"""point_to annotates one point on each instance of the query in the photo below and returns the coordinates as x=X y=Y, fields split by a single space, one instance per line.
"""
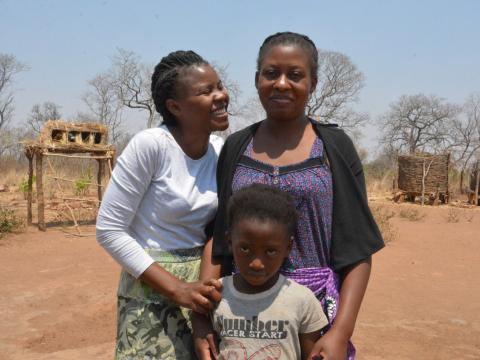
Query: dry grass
x=382 y=216
x=455 y=215
x=379 y=186
x=411 y=214
x=75 y=170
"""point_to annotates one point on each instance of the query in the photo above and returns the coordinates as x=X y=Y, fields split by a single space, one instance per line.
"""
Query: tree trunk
x=462 y=172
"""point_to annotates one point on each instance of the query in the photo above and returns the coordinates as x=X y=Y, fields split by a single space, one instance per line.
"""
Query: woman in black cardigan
x=317 y=164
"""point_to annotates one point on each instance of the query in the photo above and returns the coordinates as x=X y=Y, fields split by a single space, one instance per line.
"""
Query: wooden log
x=40 y=199
x=101 y=167
x=78 y=156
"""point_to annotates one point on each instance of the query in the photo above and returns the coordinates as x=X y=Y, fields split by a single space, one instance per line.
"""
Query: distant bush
x=9 y=221
x=411 y=214
x=382 y=216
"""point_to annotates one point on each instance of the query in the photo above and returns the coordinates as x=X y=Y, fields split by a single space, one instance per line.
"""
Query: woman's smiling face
x=285 y=82
x=202 y=100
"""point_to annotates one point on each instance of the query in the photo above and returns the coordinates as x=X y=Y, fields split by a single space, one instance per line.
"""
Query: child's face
x=259 y=248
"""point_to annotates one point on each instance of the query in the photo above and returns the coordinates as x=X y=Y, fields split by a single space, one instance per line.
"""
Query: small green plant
x=23 y=186
x=9 y=221
x=82 y=184
x=382 y=216
x=411 y=214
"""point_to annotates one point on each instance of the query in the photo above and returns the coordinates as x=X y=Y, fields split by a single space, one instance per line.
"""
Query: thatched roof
x=66 y=137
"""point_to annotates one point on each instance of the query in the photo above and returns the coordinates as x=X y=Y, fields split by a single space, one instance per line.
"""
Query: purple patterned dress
x=310 y=183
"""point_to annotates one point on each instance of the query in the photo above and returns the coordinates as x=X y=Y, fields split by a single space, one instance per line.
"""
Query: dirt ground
x=57 y=298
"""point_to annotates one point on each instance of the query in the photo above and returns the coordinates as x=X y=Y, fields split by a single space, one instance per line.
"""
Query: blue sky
x=402 y=47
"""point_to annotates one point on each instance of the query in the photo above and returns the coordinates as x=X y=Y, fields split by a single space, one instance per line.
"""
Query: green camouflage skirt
x=149 y=325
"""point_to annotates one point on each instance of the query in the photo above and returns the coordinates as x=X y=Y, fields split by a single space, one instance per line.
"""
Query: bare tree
x=9 y=67
x=41 y=113
x=418 y=123
x=339 y=84
x=251 y=111
x=234 y=91
x=7 y=141
x=131 y=80
x=104 y=105
x=464 y=136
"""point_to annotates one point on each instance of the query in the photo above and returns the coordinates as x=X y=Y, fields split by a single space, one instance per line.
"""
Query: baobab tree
x=418 y=123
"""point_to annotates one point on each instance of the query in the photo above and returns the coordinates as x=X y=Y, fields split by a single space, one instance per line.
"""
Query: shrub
x=382 y=216
x=23 y=186
x=411 y=214
x=82 y=184
x=9 y=221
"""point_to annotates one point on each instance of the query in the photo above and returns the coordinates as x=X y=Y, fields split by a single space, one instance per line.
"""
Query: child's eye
x=271 y=252
x=244 y=249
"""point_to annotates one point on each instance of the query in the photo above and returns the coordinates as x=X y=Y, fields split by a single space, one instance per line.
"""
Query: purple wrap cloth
x=324 y=283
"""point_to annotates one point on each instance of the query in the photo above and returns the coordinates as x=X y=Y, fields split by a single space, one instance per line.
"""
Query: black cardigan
x=355 y=235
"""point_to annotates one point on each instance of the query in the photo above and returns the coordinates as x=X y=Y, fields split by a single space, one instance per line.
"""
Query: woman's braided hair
x=290 y=38
x=165 y=80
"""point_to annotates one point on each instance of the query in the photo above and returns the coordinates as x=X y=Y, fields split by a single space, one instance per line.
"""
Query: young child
x=262 y=314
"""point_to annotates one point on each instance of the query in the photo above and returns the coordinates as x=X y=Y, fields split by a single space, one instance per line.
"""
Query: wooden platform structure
x=424 y=175
x=69 y=140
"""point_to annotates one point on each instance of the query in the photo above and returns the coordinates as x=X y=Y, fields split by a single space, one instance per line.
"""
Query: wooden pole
x=76 y=156
x=29 y=154
x=99 y=178
x=40 y=200
x=424 y=176
x=477 y=183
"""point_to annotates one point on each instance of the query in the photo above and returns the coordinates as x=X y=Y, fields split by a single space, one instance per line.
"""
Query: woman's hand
x=332 y=346
x=199 y=296
x=204 y=339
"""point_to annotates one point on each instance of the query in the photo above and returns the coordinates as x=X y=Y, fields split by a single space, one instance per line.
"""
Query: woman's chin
x=220 y=124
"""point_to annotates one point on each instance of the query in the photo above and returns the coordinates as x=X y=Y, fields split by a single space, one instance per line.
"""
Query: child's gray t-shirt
x=252 y=326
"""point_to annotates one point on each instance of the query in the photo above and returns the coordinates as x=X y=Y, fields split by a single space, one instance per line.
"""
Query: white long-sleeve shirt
x=158 y=198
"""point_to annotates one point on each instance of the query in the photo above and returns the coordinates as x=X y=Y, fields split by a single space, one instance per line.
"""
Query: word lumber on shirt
x=254 y=329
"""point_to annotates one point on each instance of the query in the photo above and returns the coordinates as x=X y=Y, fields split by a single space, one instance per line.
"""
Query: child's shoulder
x=297 y=291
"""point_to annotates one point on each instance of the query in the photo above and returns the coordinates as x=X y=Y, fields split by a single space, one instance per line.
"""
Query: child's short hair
x=262 y=202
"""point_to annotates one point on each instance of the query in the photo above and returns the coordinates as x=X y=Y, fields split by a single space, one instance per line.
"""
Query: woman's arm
x=204 y=336
x=130 y=180
x=307 y=341
x=333 y=345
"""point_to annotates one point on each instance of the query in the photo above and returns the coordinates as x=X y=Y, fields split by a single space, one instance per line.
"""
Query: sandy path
x=423 y=302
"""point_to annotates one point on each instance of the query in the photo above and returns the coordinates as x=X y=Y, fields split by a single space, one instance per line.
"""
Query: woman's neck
x=194 y=145
x=286 y=129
